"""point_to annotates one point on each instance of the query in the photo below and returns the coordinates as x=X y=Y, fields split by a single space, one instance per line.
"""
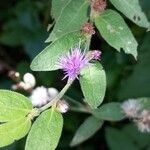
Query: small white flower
x=62 y=106
x=131 y=108
x=144 y=122
x=29 y=80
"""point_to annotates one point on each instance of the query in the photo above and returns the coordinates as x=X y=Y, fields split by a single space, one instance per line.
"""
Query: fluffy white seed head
x=131 y=108
x=29 y=80
x=39 y=96
x=62 y=106
x=144 y=122
x=42 y=95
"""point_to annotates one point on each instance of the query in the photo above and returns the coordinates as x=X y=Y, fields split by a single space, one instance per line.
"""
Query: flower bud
x=15 y=76
x=52 y=92
x=87 y=29
x=98 y=6
x=62 y=106
x=95 y=54
x=29 y=80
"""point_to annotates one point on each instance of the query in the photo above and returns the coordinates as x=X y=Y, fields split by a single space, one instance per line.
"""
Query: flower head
x=95 y=54
x=144 y=122
x=87 y=29
x=131 y=108
x=72 y=63
x=98 y=5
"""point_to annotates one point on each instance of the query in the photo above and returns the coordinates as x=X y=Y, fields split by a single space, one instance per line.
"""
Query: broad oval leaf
x=14 y=130
x=57 y=7
x=47 y=60
x=93 y=84
x=71 y=18
x=13 y=105
x=111 y=112
x=45 y=132
x=132 y=10
x=89 y=127
x=116 y=32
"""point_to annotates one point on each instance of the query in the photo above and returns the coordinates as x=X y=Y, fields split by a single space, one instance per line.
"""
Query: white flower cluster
x=42 y=95
x=39 y=95
x=133 y=110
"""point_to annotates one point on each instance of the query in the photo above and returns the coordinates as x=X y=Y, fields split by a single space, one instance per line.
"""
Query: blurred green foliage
x=23 y=26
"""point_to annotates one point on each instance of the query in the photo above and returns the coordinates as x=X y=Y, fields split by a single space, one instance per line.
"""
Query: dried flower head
x=72 y=63
x=15 y=76
x=95 y=54
x=131 y=108
x=143 y=122
x=87 y=29
x=98 y=5
x=42 y=95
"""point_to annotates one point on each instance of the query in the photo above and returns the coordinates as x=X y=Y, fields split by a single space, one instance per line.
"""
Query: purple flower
x=96 y=54
x=72 y=63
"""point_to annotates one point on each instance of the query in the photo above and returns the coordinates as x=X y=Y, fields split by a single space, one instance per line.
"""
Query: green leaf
x=132 y=10
x=111 y=111
x=89 y=127
x=47 y=60
x=57 y=7
x=118 y=140
x=136 y=84
x=13 y=105
x=70 y=19
x=14 y=130
x=116 y=32
x=93 y=84
x=45 y=132
x=141 y=139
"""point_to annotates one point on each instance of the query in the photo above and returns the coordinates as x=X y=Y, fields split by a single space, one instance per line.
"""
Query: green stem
x=82 y=110
x=58 y=97
x=88 y=43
